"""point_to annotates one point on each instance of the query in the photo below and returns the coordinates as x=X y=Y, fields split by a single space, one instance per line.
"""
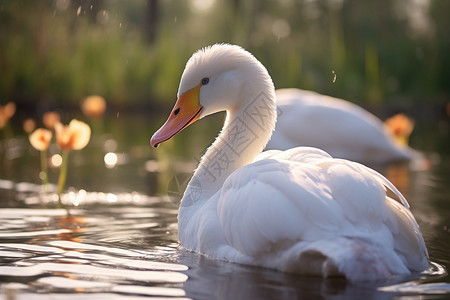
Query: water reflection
x=232 y=281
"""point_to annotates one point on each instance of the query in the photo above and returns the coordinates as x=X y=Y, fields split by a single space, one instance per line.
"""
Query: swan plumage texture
x=298 y=211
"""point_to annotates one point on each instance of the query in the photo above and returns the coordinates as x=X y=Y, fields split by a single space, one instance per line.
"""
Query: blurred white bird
x=339 y=127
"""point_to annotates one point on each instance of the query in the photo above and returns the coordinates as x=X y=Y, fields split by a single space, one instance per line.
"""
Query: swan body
x=339 y=127
x=298 y=211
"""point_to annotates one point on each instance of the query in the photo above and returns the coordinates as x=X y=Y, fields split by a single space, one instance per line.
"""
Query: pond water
x=120 y=241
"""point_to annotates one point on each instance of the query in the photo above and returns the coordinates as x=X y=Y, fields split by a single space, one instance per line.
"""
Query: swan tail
x=355 y=259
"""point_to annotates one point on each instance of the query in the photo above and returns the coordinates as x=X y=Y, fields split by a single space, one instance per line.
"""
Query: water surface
x=120 y=241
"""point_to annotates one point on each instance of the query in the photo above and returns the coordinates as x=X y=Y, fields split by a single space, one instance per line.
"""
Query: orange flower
x=93 y=106
x=400 y=126
x=40 y=139
x=29 y=125
x=50 y=118
x=75 y=136
x=6 y=112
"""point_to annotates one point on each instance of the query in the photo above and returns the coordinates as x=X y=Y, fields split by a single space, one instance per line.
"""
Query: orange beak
x=185 y=112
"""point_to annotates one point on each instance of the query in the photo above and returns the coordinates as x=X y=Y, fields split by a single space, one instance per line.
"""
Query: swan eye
x=176 y=111
x=205 y=81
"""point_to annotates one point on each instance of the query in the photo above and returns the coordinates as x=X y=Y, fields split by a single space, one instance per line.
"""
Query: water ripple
x=63 y=256
x=29 y=234
x=439 y=288
x=80 y=246
x=90 y=271
x=34 y=248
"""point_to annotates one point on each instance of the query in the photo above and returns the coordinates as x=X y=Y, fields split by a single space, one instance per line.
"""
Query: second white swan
x=341 y=128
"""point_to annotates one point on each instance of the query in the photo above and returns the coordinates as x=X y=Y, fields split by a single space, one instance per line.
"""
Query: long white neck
x=246 y=131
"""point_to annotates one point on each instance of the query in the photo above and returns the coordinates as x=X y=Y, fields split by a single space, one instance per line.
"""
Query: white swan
x=339 y=127
x=298 y=211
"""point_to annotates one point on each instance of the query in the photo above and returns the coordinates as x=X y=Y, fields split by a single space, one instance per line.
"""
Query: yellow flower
x=93 y=106
x=40 y=139
x=75 y=136
x=6 y=112
x=50 y=118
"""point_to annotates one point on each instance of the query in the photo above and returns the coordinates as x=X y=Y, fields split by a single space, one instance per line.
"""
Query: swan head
x=215 y=79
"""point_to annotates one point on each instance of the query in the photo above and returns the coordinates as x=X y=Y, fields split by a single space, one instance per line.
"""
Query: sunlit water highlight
x=124 y=246
x=46 y=251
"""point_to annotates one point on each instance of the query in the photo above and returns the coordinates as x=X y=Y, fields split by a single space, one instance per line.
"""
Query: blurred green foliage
x=60 y=51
